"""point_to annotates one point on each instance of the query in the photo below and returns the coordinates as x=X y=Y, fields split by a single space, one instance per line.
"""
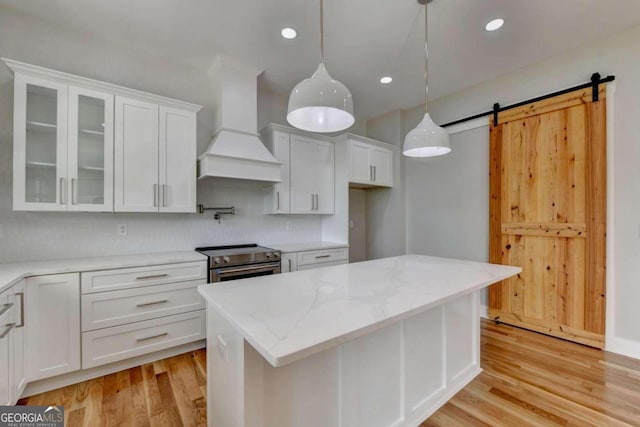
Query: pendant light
x=320 y=103
x=427 y=139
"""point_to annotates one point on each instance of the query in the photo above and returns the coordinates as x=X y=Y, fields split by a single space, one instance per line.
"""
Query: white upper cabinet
x=84 y=145
x=303 y=174
x=381 y=160
x=90 y=150
x=136 y=156
x=155 y=158
x=63 y=147
x=308 y=173
x=276 y=197
x=40 y=144
x=324 y=176
x=177 y=166
x=370 y=162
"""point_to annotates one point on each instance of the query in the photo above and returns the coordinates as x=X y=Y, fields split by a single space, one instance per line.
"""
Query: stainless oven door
x=242 y=272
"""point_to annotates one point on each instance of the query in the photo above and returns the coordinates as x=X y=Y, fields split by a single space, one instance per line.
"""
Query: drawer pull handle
x=152 y=337
x=5 y=308
x=323 y=256
x=21 y=295
x=145 y=304
x=9 y=326
x=153 y=276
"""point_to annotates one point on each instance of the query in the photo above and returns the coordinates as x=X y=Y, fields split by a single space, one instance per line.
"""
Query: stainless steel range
x=240 y=261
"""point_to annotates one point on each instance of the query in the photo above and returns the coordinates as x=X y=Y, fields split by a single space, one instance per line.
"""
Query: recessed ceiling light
x=386 y=80
x=495 y=24
x=289 y=33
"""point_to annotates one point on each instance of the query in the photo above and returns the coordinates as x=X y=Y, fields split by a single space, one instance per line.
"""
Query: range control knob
x=216 y=260
x=276 y=254
x=268 y=254
x=226 y=259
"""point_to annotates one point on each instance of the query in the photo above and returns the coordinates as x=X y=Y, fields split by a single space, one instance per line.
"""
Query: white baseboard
x=623 y=346
x=99 y=371
x=484 y=311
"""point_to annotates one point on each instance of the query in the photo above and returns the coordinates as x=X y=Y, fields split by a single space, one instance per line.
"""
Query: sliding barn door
x=548 y=216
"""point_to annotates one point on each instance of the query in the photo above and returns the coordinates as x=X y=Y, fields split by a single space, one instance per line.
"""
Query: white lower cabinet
x=126 y=313
x=19 y=378
x=122 y=342
x=308 y=260
x=106 y=309
x=130 y=312
x=289 y=262
x=52 y=316
x=6 y=327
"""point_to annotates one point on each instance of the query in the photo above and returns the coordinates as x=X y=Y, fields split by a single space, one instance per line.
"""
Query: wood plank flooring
x=170 y=392
x=528 y=380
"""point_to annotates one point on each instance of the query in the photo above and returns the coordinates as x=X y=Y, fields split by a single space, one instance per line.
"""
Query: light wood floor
x=528 y=380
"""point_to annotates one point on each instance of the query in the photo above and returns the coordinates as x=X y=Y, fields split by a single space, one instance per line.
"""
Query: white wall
x=448 y=209
x=614 y=55
x=357 y=225
x=386 y=207
x=30 y=236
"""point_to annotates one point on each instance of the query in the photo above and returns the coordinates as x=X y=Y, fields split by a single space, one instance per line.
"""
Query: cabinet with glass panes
x=63 y=147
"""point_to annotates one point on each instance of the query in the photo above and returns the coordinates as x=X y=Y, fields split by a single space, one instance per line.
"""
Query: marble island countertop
x=14 y=272
x=291 y=316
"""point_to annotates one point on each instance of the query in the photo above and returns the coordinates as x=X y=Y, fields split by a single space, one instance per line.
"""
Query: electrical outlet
x=122 y=230
x=289 y=226
x=222 y=348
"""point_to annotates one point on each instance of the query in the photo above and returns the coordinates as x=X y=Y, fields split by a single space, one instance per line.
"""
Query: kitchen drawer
x=125 y=278
x=122 y=342
x=115 y=308
x=324 y=264
x=321 y=256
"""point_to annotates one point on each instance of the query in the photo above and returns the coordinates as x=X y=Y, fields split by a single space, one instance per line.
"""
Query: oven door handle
x=222 y=272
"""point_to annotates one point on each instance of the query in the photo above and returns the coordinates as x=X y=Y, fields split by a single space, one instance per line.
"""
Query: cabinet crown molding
x=345 y=137
x=66 y=78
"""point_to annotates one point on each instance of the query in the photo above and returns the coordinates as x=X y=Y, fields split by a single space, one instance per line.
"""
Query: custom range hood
x=236 y=150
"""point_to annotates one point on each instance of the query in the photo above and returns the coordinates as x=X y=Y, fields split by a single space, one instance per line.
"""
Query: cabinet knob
x=226 y=259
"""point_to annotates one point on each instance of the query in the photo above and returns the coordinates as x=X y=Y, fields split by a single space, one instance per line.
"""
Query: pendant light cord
x=426 y=58
x=321 y=32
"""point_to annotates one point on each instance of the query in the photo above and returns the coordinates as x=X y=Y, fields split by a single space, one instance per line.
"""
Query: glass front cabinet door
x=63 y=147
x=40 y=144
x=90 y=150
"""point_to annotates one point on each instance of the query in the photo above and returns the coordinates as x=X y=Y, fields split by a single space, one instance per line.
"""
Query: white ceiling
x=364 y=39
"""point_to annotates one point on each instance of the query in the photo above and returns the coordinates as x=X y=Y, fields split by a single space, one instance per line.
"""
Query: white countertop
x=12 y=273
x=288 y=317
x=306 y=246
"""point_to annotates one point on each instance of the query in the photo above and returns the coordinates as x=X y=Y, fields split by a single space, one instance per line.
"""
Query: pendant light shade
x=427 y=139
x=320 y=103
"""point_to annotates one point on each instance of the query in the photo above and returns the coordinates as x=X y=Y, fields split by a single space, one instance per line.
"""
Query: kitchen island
x=376 y=343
